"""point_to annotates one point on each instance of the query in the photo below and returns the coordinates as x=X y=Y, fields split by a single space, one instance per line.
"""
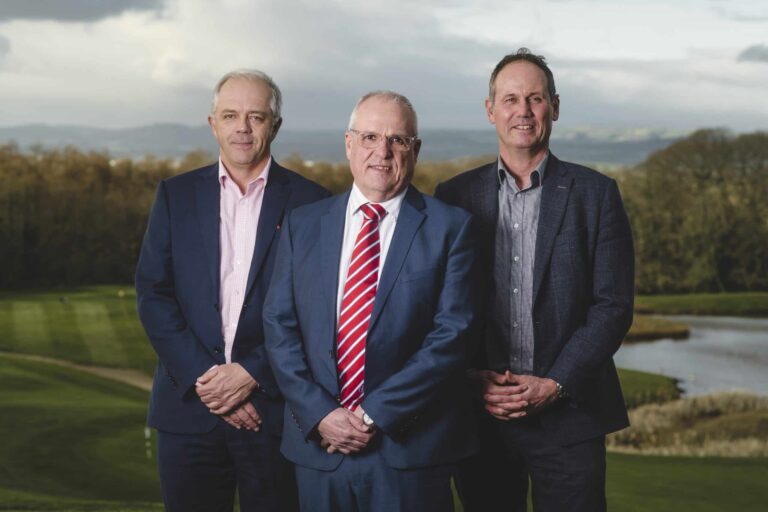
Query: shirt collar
x=357 y=199
x=264 y=174
x=537 y=176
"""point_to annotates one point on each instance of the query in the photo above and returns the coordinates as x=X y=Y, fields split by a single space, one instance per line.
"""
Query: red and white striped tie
x=357 y=305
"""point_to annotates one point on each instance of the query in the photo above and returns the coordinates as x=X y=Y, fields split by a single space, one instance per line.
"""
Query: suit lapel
x=273 y=205
x=485 y=206
x=408 y=221
x=485 y=195
x=554 y=198
x=331 y=237
x=207 y=204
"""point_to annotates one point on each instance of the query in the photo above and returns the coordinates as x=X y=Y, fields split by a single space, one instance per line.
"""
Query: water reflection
x=722 y=354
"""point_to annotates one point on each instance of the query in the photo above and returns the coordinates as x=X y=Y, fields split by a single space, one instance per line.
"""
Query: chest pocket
x=417 y=275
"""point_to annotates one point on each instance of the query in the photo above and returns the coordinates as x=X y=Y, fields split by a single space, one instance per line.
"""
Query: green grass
x=78 y=445
x=98 y=325
x=638 y=483
x=71 y=438
x=91 y=325
x=724 y=304
x=642 y=388
x=648 y=328
x=78 y=440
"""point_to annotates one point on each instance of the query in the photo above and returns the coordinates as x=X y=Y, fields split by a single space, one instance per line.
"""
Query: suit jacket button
x=217 y=350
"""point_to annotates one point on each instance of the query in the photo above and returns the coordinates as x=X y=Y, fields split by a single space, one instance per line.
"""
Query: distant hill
x=603 y=147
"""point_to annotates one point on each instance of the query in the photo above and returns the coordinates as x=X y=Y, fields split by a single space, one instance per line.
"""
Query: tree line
x=698 y=210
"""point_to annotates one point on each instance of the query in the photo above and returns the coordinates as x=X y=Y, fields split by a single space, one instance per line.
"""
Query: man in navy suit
x=556 y=246
x=366 y=324
x=203 y=273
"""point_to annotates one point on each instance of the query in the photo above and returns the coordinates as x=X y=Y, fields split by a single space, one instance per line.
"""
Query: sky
x=659 y=64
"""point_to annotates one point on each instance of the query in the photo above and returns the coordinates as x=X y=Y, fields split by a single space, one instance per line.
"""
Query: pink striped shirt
x=239 y=219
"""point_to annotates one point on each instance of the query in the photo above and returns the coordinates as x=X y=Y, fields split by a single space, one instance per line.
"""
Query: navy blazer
x=416 y=350
x=177 y=287
x=583 y=287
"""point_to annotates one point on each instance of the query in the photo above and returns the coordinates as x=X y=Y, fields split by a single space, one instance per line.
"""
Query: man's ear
x=276 y=128
x=416 y=149
x=489 y=110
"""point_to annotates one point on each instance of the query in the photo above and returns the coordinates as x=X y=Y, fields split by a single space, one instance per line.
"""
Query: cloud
x=750 y=11
x=631 y=65
x=5 y=46
x=72 y=10
x=755 y=53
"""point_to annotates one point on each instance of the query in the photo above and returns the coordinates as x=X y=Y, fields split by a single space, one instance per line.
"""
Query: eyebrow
x=233 y=111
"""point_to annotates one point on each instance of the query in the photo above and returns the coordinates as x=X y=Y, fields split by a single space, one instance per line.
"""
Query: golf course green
x=74 y=441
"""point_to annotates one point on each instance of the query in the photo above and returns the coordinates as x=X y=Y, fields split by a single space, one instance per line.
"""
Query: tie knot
x=372 y=211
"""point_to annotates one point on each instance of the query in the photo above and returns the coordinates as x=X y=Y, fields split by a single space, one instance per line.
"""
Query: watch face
x=367 y=419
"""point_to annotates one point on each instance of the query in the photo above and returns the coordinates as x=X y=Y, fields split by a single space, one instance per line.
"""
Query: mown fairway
x=94 y=325
x=70 y=437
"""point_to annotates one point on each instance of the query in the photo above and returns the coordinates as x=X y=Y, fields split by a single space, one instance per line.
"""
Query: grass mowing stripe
x=96 y=327
x=30 y=327
x=7 y=336
x=122 y=313
x=67 y=340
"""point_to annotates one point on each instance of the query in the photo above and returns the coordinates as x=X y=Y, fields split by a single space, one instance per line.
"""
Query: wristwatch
x=367 y=420
x=560 y=391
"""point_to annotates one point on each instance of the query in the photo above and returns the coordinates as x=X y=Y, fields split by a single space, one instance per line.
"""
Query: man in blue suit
x=204 y=269
x=556 y=247
x=366 y=324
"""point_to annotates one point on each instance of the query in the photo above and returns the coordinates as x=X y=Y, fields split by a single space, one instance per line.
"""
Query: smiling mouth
x=523 y=127
x=380 y=168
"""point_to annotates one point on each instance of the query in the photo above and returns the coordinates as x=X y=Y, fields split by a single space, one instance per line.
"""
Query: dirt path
x=127 y=376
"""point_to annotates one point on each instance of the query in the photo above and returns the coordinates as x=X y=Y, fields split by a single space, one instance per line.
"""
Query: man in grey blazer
x=557 y=246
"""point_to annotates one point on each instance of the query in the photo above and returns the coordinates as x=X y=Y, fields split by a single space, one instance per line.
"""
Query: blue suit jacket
x=583 y=288
x=177 y=286
x=417 y=345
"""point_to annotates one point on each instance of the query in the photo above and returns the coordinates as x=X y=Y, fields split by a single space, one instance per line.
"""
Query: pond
x=722 y=354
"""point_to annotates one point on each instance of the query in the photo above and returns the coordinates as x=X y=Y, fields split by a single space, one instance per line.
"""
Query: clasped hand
x=224 y=389
x=507 y=396
x=344 y=431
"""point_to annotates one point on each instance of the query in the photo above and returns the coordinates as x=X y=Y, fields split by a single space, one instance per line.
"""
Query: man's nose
x=244 y=125
x=524 y=108
x=384 y=148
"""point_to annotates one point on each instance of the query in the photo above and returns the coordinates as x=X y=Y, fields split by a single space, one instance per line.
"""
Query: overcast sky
x=678 y=64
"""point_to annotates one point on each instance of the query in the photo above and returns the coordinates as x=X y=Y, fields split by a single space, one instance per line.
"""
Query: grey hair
x=390 y=96
x=526 y=55
x=254 y=75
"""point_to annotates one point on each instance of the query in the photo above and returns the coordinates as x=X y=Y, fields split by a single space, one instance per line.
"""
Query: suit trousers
x=492 y=479
x=366 y=483
x=200 y=472
x=563 y=477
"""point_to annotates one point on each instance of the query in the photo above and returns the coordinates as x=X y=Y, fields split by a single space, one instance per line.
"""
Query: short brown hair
x=526 y=55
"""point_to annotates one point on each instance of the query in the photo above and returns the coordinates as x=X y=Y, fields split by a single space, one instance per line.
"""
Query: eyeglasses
x=372 y=140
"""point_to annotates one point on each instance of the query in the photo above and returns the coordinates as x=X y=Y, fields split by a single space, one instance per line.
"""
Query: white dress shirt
x=239 y=218
x=352 y=223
